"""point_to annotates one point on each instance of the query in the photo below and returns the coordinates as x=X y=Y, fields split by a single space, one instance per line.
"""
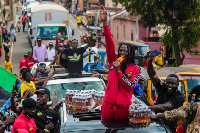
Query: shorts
x=12 y=39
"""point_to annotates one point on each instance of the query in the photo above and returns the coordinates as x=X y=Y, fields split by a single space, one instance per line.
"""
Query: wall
x=121 y=35
x=109 y=3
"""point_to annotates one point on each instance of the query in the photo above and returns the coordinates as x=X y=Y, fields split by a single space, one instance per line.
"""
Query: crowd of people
x=27 y=110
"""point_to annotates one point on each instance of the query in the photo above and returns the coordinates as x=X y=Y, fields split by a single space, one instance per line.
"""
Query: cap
x=39 y=39
x=42 y=65
x=60 y=44
x=62 y=39
x=138 y=89
x=29 y=103
x=43 y=90
x=50 y=43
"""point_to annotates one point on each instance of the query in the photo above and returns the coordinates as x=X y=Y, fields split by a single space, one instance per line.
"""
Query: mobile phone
x=15 y=87
x=11 y=113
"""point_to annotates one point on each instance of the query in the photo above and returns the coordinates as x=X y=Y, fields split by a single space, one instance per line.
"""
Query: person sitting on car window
x=46 y=119
x=41 y=71
x=169 y=97
x=74 y=58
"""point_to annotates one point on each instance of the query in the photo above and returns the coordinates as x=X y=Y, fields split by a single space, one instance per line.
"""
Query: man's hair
x=173 y=75
x=29 y=52
x=131 y=52
x=24 y=74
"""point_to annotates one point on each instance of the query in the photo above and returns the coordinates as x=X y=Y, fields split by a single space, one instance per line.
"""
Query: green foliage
x=183 y=32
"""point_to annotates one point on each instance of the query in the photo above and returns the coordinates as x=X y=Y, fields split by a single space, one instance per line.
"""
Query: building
x=123 y=27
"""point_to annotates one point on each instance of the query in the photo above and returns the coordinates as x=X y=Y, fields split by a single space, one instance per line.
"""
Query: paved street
x=22 y=45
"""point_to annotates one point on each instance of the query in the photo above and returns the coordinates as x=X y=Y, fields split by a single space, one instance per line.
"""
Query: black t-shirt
x=74 y=59
x=176 y=99
x=196 y=90
x=44 y=116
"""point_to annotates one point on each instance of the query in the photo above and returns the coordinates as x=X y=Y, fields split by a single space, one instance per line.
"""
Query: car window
x=97 y=85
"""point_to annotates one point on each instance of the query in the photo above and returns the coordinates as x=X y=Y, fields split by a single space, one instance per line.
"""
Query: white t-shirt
x=51 y=54
x=89 y=58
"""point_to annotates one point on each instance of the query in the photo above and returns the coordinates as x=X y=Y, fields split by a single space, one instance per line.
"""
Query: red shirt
x=24 y=18
x=120 y=86
x=23 y=63
x=25 y=123
x=30 y=63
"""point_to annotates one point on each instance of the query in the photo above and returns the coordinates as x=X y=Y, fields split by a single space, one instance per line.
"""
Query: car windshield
x=192 y=81
x=143 y=50
x=51 y=31
x=89 y=85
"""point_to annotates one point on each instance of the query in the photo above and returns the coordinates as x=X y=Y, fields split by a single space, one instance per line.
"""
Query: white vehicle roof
x=51 y=25
x=33 y=4
x=42 y=7
x=72 y=80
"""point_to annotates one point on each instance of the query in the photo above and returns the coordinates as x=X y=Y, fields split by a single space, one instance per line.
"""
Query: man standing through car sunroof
x=74 y=58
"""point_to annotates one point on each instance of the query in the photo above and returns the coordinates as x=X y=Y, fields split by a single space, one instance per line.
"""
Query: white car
x=84 y=83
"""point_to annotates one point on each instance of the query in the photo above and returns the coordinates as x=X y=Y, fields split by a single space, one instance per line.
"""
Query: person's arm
x=11 y=67
x=146 y=100
x=161 y=107
x=36 y=73
x=13 y=102
x=176 y=114
x=89 y=53
x=101 y=70
x=35 y=55
x=128 y=82
x=110 y=45
x=151 y=71
x=46 y=55
x=61 y=50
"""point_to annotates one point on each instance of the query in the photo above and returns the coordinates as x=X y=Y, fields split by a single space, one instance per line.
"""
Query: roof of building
x=42 y=7
x=120 y=15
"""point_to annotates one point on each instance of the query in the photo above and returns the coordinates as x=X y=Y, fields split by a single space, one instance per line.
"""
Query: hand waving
x=103 y=14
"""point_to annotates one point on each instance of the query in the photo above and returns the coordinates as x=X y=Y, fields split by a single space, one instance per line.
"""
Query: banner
x=7 y=79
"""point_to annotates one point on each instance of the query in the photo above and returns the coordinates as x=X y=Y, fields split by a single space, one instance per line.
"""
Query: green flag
x=7 y=79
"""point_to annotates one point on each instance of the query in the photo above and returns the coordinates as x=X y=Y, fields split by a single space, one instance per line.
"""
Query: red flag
x=173 y=14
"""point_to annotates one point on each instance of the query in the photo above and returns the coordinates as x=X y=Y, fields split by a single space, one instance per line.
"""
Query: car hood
x=95 y=125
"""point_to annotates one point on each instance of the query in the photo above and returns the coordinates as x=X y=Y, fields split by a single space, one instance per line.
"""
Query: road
x=22 y=46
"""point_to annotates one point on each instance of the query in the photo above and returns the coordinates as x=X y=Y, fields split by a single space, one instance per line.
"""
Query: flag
x=7 y=79
x=173 y=15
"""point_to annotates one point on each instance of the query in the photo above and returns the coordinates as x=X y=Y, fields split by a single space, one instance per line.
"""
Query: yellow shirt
x=24 y=87
x=78 y=19
x=8 y=65
x=159 y=61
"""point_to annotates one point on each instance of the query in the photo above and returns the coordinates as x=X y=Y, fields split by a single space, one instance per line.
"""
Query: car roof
x=71 y=80
x=135 y=43
x=42 y=7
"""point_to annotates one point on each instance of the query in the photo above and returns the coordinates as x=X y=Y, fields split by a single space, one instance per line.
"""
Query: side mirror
x=32 y=37
x=72 y=32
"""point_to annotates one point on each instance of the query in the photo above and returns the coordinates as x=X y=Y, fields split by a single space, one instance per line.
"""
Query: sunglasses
x=29 y=74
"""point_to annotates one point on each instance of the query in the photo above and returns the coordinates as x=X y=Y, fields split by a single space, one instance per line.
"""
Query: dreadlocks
x=131 y=53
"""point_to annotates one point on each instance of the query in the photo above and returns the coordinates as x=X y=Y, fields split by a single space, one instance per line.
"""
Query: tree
x=180 y=17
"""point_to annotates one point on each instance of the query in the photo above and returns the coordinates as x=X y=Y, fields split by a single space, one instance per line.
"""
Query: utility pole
x=136 y=37
x=11 y=9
